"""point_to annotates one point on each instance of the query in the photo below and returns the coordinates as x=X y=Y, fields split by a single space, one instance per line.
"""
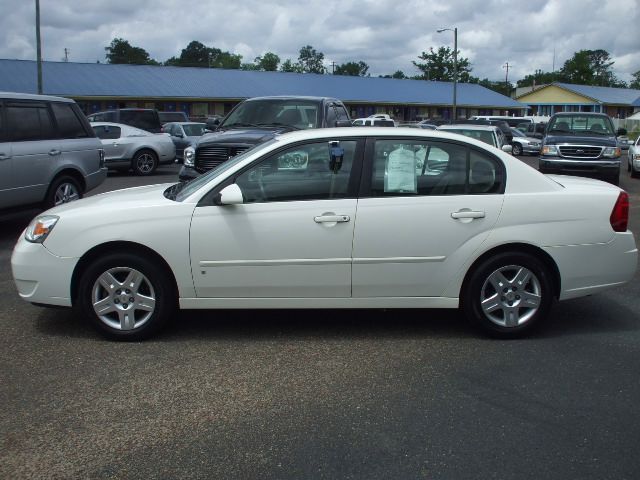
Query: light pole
x=455 y=69
x=38 y=48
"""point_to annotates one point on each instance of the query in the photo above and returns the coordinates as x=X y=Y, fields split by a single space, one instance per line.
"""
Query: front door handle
x=115 y=144
x=4 y=156
x=53 y=153
x=331 y=218
x=466 y=213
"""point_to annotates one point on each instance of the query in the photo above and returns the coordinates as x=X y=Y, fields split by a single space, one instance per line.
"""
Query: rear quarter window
x=69 y=125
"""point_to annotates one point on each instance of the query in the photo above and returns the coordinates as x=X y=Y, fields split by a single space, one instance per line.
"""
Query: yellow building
x=564 y=97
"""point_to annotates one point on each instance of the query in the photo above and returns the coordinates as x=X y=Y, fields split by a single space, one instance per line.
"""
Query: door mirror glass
x=621 y=132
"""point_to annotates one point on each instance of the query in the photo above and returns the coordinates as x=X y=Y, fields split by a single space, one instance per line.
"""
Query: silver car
x=129 y=148
x=522 y=144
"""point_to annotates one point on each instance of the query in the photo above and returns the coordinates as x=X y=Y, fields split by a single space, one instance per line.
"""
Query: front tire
x=144 y=162
x=516 y=149
x=508 y=295
x=126 y=297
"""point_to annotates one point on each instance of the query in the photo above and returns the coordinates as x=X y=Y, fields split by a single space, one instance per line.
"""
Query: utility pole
x=38 y=48
x=66 y=54
x=506 y=78
x=333 y=68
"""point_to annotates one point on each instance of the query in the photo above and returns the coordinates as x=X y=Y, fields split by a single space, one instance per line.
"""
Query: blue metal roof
x=146 y=81
x=605 y=95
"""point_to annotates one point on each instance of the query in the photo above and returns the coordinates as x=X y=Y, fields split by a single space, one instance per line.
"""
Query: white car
x=127 y=147
x=335 y=218
x=633 y=158
x=485 y=133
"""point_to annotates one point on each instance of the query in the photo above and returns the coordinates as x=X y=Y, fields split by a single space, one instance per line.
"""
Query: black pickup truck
x=257 y=120
x=583 y=144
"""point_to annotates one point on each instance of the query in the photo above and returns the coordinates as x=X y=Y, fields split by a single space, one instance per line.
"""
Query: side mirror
x=179 y=135
x=230 y=195
x=507 y=148
x=343 y=123
x=621 y=132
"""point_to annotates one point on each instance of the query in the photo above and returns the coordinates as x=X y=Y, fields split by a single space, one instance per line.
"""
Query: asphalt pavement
x=322 y=394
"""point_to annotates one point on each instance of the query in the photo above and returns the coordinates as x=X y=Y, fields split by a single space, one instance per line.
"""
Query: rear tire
x=63 y=189
x=144 y=162
x=508 y=295
x=126 y=297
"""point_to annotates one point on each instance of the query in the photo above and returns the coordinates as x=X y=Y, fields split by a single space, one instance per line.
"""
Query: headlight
x=611 y=152
x=40 y=227
x=534 y=144
x=636 y=156
x=550 y=150
x=189 y=156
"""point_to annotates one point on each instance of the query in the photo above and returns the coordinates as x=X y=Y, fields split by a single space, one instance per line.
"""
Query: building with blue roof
x=200 y=91
x=565 y=97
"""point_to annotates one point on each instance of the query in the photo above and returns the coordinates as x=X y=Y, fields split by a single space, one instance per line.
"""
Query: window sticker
x=400 y=173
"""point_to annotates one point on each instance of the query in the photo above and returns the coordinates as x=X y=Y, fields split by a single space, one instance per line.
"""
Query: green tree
x=439 y=65
x=399 y=74
x=289 y=66
x=540 y=78
x=196 y=54
x=121 y=51
x=497 y=86
x=310 y=60
x=268 y=62
x=591 y=67
x=353 y=69
x=635 y=83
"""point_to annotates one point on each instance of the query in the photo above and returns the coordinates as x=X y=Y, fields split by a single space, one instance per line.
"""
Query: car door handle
x=53 y=153
x=331 y=218
x=115 y=144
x=465 y=213
x=4 y=156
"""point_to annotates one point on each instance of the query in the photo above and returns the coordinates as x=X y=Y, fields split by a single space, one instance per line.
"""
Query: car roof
x=122 y=126
x=468 y=126
x=31 y=96
x=292 y=97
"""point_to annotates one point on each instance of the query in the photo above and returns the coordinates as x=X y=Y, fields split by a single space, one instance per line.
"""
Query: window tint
x=331 y=116
x=342 y=113
x=419 y=167
x=106 y=132
x=144 y=119
x=69 y=125
x=29 y=122
x=1 y=124
x=300 y=173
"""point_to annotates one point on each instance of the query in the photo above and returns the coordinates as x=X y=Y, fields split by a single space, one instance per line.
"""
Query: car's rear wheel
x=144 y=162
x=516 y=149
x=63 y=189
x=508 y=295
x=126 y=297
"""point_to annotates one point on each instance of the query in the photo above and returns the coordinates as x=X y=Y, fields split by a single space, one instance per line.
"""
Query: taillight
x=620 y=214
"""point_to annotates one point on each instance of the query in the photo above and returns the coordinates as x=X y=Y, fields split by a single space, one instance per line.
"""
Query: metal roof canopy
x=147 y=81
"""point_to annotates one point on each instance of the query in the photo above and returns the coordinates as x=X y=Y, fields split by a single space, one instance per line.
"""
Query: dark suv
x=257 y=120
x=142 y=118
x=584 y=144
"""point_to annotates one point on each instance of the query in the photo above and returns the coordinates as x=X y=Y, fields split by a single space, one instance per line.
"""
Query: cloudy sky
x=386 y=34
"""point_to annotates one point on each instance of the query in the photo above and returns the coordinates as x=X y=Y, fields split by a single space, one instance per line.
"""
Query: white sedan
x=335 y=218
x=129 y=148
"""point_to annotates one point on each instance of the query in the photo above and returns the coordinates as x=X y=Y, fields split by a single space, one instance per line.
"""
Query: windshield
x=180 y=191
x=581 y=125
x=194 y=129
x=296 y=114
x=517 y=133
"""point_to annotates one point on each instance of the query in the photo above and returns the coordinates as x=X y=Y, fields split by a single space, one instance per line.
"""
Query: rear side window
x=29 y=122
x=106 y=132
x=69 y=125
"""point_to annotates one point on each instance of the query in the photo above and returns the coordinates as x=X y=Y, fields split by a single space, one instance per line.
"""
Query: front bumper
x=600 y=168
x=40 y=276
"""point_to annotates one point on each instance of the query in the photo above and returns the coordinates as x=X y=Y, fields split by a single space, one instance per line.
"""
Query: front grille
x=210 y=156
x=580 y=151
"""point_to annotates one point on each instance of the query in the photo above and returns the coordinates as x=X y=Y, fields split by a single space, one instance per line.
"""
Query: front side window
x=29 y=122
x=419 y=167
x=314 y=171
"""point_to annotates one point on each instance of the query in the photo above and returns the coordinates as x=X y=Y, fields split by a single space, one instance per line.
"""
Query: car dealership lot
x=321 y=394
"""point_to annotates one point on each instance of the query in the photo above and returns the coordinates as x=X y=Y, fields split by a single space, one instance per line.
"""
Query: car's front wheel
x=126 y=297
x=516 y=149
x=508 y=295
x=144 y=162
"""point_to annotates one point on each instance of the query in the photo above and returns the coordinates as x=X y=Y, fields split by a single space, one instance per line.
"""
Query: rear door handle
x=331 y=218
x=465 y=213
x=53 y=153
x=4 y=156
